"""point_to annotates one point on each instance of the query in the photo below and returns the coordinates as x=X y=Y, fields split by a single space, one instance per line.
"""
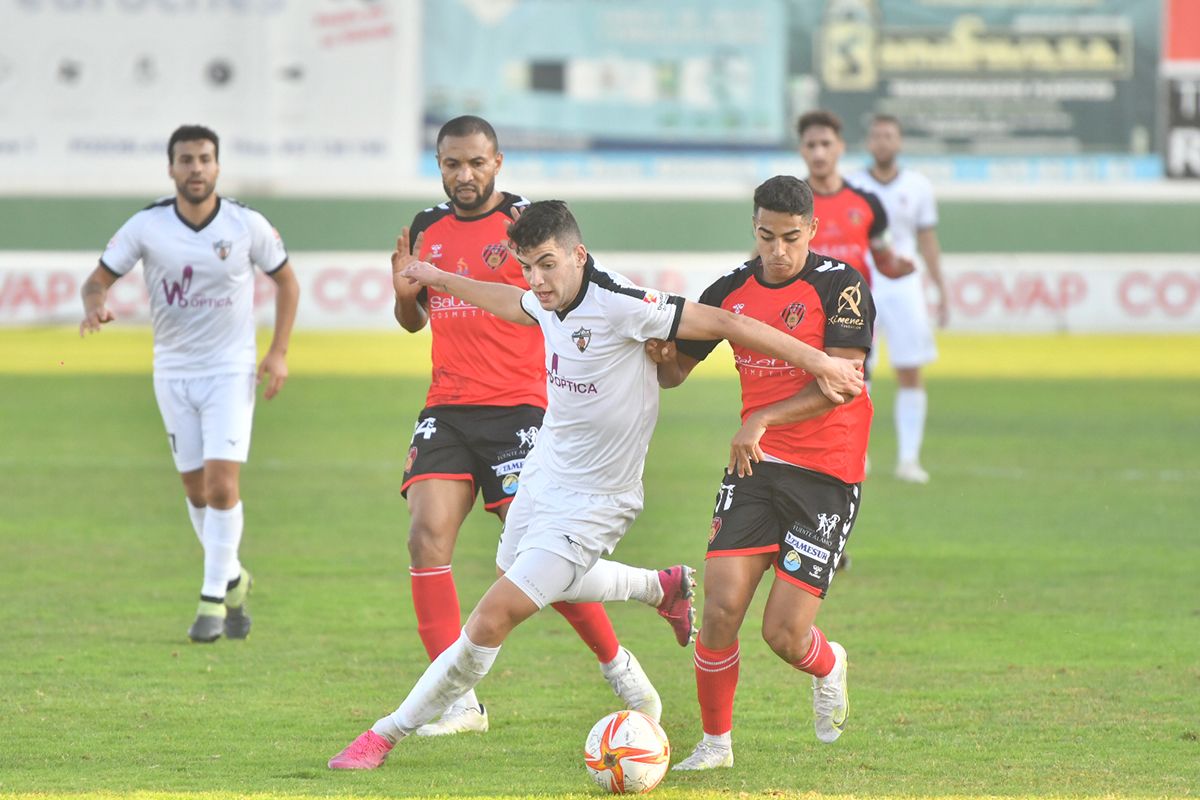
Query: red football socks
x=591 y=622
x=819 y=659
x=435 y=599
x=716 y=683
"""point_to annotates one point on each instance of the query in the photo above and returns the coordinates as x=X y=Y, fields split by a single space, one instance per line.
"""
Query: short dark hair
x=467 y=125
x=786 y=194
x=819 y=117
x=543 y=221
x=193 y=133
x=887 y=119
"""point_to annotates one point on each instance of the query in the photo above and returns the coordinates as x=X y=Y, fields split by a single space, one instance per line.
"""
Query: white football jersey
x=602 y=388
x=201 y=282
x=909 y=202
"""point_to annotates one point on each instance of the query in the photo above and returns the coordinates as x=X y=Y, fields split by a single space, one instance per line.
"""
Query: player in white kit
x=581 y=487
x=198 y=251
x=902 y=313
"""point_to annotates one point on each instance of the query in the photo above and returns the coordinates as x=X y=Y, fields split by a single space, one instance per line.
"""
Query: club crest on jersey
x=793 y=315
x=582 y=338
x=222 y=248
x=495 y=254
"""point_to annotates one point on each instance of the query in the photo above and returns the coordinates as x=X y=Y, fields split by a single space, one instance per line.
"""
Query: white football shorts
x=902 y=317
x=576 y=526
x=207 y=418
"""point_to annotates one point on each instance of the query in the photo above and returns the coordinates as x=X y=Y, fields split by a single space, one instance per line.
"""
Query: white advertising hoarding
x=1025 y=293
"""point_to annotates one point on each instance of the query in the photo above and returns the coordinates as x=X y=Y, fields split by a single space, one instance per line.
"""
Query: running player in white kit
x=902 y=313
x=198 y=251
x=581 y=487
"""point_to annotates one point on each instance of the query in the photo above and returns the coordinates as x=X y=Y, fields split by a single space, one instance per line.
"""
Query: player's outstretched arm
x=840 y=379
x=500 y=299
x=409 y=312
x=287 y=298
x=673 y=366
x=95 y=300
x=807 y=403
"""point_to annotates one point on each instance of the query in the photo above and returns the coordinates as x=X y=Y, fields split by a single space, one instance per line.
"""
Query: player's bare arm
x=807 y=403
x=673 y=366
x=287 y=297
x=500 y=299
x=888 y=263
x=931 y=253
x=409 y=312
x=840 y=379
x=95 y=300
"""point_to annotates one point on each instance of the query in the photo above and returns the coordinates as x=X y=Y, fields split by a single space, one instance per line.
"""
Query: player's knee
x=787 y=643
x=427 y=546
x=221 y=493
x=719 y=621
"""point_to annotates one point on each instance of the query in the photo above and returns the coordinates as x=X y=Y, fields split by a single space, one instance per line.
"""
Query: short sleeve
x=850 y=309
x=266 y=246
x=652 y=315
x=124 y=249
x=879 y=217
x=530 y=305
x=927 y=214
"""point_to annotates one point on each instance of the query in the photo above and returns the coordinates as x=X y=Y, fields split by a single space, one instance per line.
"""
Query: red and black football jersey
x=827 y=304
x=478 y=358
x=847 y=221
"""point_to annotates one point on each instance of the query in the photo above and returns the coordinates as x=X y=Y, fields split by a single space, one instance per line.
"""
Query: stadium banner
x=1024 y=293
x=1046 y=91
x=1051 y=77
x=306 y=95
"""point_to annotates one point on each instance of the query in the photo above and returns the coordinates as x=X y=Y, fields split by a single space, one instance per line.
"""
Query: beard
x=196 y=196
x=480 y=200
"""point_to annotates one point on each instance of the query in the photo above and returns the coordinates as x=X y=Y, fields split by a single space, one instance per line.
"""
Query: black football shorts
x=486 y=445
x=804 y=517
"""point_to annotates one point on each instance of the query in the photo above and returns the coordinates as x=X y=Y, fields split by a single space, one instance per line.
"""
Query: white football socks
x=910 y=424
x=451 y=675
x=222 y=536
x=196 y=515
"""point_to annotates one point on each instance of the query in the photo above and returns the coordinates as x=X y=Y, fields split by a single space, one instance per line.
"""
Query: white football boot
x=630 y=683
x=831 y=702
x=707 y=755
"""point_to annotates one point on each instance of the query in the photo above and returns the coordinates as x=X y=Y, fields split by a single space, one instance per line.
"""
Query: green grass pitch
x=1027 y=625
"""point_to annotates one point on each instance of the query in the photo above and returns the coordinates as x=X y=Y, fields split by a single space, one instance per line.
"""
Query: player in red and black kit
x=483 y=411
x=852 y=222
x=791 y=491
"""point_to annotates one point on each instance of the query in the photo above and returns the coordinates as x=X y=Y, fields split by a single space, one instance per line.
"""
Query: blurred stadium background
x=1063 y=136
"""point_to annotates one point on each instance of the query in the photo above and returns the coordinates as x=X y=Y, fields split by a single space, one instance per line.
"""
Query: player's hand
x=902 y=266
x=422 y=273
x=744 y=449
x=943 y=309
x=406 y=253
x=94 y=319
x=660 y=351
x=273 y=364
x=842 y=379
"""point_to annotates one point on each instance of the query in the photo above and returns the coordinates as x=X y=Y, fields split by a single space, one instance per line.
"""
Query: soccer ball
x=627 y=752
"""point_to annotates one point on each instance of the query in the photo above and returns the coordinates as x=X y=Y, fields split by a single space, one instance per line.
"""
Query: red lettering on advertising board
x=976 y=293
x=1175 y=294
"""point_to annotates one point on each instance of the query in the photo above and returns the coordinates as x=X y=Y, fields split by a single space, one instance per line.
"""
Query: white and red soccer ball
x=627 y=752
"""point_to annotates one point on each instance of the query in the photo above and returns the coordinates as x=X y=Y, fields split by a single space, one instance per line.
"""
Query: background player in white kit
x=198 y=251
x=581 y=487
x=902 y=313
